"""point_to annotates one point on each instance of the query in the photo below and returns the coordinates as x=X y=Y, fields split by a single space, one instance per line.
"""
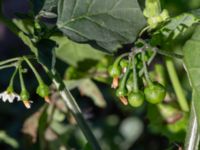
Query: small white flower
x=9 y=96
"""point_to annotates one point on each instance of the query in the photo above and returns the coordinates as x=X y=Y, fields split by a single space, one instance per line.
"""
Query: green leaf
x=196 y=13
x=26 y=33
x=105 y=24
x=74 y=53
x=46 y=52
x=25 y=25
x=177 y=25
x=88 y=88
x=191 y=52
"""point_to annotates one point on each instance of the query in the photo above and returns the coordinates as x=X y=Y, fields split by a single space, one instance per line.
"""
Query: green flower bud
x=24 y=95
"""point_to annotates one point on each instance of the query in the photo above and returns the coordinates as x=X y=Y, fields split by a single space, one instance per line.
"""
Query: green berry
x=24 y=95
x=43 y=90
x=114 y=71
x=121 y=92
x=124 y=63
x=154 y=93
x=136 y=99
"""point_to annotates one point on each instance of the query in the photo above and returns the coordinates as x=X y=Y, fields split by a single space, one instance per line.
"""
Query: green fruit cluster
x=130 y=86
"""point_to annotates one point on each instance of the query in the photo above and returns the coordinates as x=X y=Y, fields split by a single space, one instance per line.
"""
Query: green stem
x=135 y=80
x=10 y=87
x=141 y=72
x=9 y=61
x=21 y=79
x=124 y=79
x=161 y=73
x=176 y=84
x=70 y=102
x=34 y=70
x=192 y=137
x=116 y=63
x=7 y=66
x=147 y=77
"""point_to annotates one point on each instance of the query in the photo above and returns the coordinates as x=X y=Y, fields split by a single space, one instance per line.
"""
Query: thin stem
x=143 y=30
x=8 y=61
x=10 y=87
x=145 y=70
x=13 y=61
x=21 y=79
x=34 y=70
x=141 y=72
x=176 y=84
x=192 y=137
x=135 y=80
x=159 y=51
x=7 y=66
x=116 y=63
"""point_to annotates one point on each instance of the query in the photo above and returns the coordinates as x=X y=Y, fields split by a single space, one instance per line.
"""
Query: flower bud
x=43 y=91
x=24 y=95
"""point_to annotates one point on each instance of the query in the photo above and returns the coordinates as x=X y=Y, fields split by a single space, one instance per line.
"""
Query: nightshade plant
x=75 y=30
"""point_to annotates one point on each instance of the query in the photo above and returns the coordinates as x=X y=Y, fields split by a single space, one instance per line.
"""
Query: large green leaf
x=74 y=53
x=105 y=24
x=192 y=62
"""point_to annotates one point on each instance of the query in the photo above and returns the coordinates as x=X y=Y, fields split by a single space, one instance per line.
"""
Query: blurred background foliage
x=52 y=127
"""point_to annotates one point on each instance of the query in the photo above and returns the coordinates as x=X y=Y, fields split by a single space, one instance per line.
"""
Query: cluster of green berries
x=127 y=80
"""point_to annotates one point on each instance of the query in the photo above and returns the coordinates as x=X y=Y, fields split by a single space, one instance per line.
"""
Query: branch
x=75 y=110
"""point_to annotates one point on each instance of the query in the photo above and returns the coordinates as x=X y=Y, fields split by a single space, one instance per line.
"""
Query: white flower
x=9 y=96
